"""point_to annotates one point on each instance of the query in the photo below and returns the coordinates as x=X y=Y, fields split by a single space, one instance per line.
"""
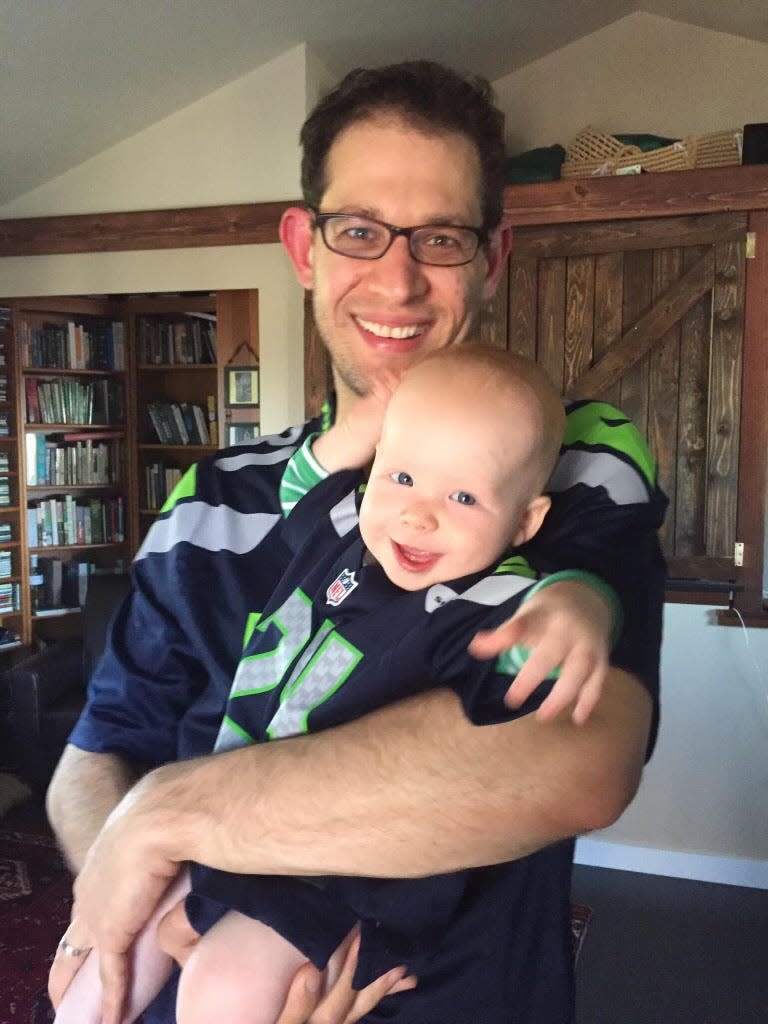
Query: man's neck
x=345 y=398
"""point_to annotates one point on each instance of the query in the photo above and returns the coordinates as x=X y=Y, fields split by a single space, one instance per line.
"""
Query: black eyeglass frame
x=321 y=219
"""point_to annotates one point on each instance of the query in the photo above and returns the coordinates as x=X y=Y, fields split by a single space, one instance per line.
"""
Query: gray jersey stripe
x=344 y=515
x=624 y=485
x=212 y=527
x=231 y=463
x=493 y=590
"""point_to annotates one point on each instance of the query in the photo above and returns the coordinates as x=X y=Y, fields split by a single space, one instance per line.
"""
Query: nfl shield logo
x=344 y=584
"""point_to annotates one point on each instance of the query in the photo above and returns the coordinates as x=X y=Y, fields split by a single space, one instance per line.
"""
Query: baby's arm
x=351 y=442
x=570 y=634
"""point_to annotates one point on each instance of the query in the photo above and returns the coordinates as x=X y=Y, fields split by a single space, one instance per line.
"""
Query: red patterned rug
x=35 y=889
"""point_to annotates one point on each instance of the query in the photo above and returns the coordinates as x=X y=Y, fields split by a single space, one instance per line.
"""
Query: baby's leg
x=151 y=969
x=239 y=972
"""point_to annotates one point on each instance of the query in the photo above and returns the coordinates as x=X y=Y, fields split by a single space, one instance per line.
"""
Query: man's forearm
x=83 y=792
x=410 y=790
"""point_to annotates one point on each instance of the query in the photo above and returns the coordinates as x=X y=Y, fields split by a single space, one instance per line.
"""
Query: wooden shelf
x=75 y=428
x=62 y=371
x=48 y=548
x=173 y=367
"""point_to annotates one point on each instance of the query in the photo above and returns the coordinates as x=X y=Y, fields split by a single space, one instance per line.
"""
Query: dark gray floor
x=670 y=951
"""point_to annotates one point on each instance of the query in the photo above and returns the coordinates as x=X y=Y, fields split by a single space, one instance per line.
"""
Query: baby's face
x=447 y=490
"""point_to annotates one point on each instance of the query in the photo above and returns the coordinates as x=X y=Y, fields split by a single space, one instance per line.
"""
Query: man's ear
x=532 y=519
x=496 y=252
x=296 y=234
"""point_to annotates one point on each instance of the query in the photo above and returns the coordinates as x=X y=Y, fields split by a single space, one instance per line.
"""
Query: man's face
x=387 y=313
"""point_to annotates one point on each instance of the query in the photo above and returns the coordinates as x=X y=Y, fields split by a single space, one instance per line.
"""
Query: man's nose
x=397 y=275
x=418 y=516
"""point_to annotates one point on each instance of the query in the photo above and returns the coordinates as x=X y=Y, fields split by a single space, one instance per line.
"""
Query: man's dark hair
x=427 y=96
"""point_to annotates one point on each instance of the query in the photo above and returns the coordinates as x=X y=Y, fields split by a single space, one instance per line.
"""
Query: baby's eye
x=402 y=478
x=463 y=497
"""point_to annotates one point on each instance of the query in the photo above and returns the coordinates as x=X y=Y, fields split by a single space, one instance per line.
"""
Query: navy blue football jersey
x=212 y=560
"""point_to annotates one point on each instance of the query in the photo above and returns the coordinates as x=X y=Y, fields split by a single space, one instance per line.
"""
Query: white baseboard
x=597 y=853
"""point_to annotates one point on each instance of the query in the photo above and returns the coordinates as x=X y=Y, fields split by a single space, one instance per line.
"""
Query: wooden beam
x=650 y=328
x=558 y=240
x=246 y=224
x=569 y=201
x=667 y=194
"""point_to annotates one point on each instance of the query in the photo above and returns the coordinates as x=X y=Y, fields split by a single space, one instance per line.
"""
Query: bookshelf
x=176 y=394
x=13 y=576
x=73 y=365
x=104 y=403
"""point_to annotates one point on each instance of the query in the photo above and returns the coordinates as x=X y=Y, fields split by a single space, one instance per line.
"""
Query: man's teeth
x=383 y=331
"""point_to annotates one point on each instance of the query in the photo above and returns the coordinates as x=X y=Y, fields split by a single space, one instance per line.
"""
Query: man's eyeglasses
x=363 y=238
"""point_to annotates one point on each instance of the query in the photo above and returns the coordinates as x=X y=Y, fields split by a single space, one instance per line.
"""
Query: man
x=402 y=147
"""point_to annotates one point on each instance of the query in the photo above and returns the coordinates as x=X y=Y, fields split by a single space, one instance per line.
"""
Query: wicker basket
x=717 y=149
x=592 y=153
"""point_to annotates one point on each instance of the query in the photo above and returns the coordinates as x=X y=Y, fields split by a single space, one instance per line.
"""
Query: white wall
x=702 y=809
x=643 y=73
x=236 y=145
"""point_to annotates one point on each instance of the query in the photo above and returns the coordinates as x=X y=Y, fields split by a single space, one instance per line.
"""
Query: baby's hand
x=175 y=935
x=565 y=626
x=351 y=441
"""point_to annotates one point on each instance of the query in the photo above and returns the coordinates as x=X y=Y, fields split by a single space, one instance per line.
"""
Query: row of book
x=61 y=521
x=73 y=459
x=92 y=344
x=5 y=429
x=165 y=341
x=10 y=597
x=57 y=583
x=6 y=533
x=6 y=564
x=5 y=492
x=69 y=400
x=160 y=478
x=5 y=462
x=3 y=387
x=182 y=423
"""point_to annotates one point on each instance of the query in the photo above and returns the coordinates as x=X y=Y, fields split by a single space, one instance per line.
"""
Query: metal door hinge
x=751 y=245
x=738 y=554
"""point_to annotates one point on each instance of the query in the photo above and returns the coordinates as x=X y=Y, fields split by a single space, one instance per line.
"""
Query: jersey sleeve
x=159 y=689
x=481 y=685
x=302 y=473
x=606 y=511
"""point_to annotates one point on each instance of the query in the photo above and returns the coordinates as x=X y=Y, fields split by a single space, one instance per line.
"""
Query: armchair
x=47 y=691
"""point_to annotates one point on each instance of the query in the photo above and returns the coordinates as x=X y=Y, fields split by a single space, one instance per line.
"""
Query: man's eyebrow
x=435 y=219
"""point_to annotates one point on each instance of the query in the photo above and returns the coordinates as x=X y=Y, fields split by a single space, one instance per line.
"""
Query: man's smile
x=401 y=332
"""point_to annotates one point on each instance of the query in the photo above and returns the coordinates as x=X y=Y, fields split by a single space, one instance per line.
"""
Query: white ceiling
x=77 y=76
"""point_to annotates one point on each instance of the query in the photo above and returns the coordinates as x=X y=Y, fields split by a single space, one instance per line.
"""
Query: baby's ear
x=532 y=519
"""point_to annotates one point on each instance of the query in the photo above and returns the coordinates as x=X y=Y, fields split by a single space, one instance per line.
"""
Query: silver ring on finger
x=69 y=950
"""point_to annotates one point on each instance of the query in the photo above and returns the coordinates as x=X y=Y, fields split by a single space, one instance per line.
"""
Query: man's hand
x=308 y=1002
x=119 y=887
x=566 y=625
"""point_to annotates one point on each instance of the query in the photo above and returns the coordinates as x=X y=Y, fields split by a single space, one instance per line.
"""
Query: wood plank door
x=648 y=315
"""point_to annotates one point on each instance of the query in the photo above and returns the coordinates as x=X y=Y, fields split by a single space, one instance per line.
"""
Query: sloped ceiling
x=77 y=77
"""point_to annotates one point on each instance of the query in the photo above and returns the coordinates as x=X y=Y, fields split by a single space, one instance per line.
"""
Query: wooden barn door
x=647 y=315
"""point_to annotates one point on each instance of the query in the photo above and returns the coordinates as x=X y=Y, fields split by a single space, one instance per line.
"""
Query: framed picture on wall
x=241 y=433
x=241 y=387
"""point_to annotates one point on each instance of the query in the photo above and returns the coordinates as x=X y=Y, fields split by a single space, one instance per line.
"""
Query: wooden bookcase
x=87 y=381
x=13 y=563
